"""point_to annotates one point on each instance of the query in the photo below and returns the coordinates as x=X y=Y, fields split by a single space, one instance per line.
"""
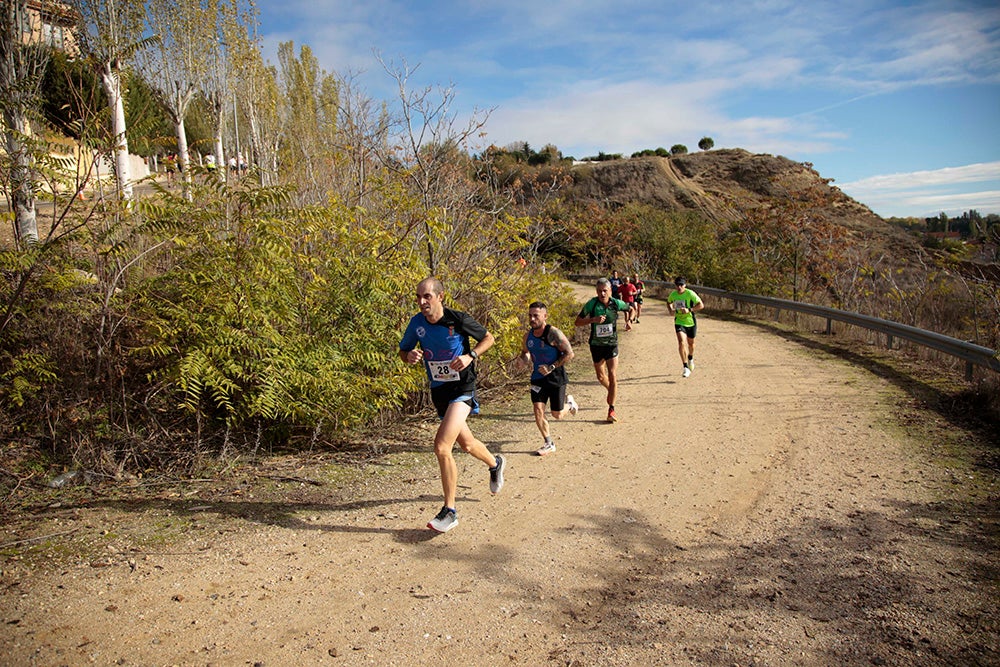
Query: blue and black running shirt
x=545 y=353
x=441 y=342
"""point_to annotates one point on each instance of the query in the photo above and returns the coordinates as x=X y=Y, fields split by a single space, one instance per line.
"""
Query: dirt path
x=759 y=512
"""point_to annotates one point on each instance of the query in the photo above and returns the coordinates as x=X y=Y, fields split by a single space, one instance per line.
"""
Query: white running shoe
x=573 y=407
x=691 y=364
x=547 y=448
x=496 y=475
x=687 y=372
x=445 y=520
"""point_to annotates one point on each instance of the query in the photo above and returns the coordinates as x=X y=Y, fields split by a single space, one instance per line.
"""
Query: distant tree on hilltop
x=603 y=157
x=660 y=152
x=678 y=149
x=706 y=143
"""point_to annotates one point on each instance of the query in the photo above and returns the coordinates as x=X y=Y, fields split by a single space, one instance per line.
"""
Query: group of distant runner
x=444 y=336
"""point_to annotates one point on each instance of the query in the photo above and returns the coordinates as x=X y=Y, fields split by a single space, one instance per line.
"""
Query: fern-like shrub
x=266 y=314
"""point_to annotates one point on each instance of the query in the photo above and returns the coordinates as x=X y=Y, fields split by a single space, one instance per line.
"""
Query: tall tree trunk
x=112 y=82
x=217 y=148
x=21 y=183
x=21 y=69
x=183 y=155
x=178 y=109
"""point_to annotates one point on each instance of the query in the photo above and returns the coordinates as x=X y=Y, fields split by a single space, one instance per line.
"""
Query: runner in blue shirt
x=616 y=285
x=443 y=336
x=548 y=350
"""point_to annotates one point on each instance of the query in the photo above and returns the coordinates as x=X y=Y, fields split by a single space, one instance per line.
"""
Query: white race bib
x=441 y=371
x=604 y=330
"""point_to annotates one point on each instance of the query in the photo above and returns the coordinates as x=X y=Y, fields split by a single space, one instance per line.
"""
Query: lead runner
x=443 y=336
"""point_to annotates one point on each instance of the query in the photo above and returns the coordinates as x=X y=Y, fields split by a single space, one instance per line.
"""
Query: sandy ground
x=768 y=510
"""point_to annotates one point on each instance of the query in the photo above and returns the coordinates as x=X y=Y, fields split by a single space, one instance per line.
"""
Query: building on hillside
x=55 y=24
x=51 y=23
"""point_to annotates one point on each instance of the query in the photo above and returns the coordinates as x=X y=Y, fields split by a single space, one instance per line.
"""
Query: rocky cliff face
x=718 y=183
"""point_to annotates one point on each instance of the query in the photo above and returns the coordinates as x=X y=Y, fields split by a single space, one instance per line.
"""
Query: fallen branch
x=287 y=478
x=37 y=539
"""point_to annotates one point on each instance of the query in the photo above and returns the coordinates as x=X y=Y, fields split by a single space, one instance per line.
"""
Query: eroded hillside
x=721 y=183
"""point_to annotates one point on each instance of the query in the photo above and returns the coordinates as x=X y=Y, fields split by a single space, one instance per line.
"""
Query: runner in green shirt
x=684 y=303
x=601 y=314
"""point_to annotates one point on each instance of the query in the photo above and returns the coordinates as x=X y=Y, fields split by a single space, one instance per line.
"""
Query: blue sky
x=897 y=102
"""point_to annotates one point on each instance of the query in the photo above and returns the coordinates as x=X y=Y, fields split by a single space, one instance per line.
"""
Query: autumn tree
x=232 y=20
x=258 y=100
x=433 y=159
x=310 y=97
x=175 y=63
x=21 y=68
x=111 y=35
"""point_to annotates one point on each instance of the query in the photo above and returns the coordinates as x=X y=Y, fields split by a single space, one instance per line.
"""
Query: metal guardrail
x=972 y=354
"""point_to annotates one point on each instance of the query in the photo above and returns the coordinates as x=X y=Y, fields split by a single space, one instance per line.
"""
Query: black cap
x=679 y=280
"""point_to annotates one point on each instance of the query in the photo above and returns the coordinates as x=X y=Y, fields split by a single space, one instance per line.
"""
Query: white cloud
x=922 y=205
x=927 y=193
x=973 y=173
x=986 y=199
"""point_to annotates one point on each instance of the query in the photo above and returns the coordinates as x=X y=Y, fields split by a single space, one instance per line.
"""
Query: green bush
x=269 y=313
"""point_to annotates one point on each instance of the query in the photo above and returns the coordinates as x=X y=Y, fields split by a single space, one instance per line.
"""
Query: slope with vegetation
x=232 y=314
x=759 y=224
x=164 y=326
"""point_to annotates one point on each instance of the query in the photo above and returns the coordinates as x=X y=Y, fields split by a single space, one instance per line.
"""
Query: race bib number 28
x=442 y=372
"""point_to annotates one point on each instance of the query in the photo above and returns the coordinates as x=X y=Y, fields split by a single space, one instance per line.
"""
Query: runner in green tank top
x=684 y=302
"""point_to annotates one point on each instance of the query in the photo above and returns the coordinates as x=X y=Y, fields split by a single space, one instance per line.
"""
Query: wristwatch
x=472 y=353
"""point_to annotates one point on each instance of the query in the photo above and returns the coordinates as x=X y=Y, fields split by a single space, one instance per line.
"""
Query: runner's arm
x=523 y=359
x=565 y=348
x=583 y=319
x=485 y=343
x=462 y=361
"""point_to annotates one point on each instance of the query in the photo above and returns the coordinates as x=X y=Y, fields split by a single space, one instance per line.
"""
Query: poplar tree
x=311 y=100
x=176 y=64
x=232 y=17
x=111 y=32
x=258 y=100
x=22 y=66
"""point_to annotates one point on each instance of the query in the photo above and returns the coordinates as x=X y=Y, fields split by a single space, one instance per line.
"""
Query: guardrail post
x=829 y=326
x=968 y=371
x=888 y=338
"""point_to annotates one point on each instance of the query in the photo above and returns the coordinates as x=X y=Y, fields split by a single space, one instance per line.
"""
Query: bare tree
x=175 y=64
x=258 y=97
x=111 y=32
x=22 y=65
x=363 y=134
x=431 y=145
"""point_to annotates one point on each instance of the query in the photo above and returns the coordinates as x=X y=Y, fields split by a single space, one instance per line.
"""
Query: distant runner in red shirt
x=640 y=286
x=628 y=290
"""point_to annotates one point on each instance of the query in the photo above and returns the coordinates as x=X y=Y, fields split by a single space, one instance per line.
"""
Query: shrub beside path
x=767 y=510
